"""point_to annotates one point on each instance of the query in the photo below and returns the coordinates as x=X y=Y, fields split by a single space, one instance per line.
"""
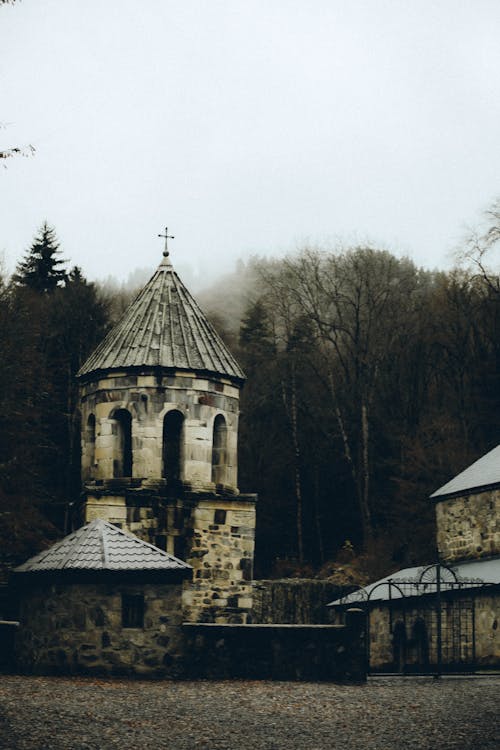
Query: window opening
x=172 y=445
x=219 y=450
x=132 y=610
x=90 y=443
x=161 y=541
x=220 y=516
x=179 y=547
x=122 y=464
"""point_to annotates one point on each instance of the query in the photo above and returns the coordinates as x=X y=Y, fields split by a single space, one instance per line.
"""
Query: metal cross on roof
x=167 y=237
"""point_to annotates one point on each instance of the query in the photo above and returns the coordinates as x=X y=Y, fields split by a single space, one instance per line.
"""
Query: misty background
x=330 y=174
x=248 y=128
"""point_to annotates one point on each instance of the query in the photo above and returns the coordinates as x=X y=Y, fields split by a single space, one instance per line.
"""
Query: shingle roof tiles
x=101 y=546
x=164 y=327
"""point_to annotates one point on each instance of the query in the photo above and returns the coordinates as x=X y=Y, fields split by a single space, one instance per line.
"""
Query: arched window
x=172 y=445
x=122 y=462
x=219 y=450
x=90 y=443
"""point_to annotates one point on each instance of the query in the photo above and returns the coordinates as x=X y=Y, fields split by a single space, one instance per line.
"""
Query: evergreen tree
x=256 y=337
x=42 y=270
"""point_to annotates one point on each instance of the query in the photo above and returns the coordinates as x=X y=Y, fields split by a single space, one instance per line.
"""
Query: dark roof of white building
x=420 y=580
x=101 y=546
x=164 y=327
x=484 y=472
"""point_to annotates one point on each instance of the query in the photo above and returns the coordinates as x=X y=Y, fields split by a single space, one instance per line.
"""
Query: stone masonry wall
x=148 y=398
x=279 y=652
x=488 y=629
x=469 y=527
x=214 y=534
x=77 y=628
x=153 y=518
x=221 y=554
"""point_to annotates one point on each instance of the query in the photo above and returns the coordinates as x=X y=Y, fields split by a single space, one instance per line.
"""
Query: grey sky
x=247 y=126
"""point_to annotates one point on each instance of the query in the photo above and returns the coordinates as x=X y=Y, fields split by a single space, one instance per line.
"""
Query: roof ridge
x=105 y=555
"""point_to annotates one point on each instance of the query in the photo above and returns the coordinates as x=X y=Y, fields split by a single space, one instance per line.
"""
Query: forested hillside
x=370 y=383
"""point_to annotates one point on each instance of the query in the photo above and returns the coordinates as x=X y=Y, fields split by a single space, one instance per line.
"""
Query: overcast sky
x=247 y=126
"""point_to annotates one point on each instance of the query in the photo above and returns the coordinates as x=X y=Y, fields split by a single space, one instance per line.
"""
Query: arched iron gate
x=429 y=619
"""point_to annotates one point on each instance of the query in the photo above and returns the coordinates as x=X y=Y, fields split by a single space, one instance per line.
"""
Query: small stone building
x=101 y=601
x=160 y=408
x=444 y=616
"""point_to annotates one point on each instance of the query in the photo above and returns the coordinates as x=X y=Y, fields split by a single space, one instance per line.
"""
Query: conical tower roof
x=164 y=327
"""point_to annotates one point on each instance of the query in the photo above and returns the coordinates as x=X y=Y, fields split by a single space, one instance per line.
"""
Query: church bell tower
x=160 y=407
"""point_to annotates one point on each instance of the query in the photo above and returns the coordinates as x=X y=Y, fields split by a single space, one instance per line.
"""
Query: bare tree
x=356 y=301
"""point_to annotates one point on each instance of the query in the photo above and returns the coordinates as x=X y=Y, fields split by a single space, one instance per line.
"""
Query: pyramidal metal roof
x=482 y=473
x=101 y=546
x=164 y=327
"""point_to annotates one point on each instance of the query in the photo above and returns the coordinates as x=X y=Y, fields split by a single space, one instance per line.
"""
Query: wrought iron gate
x=429 y=622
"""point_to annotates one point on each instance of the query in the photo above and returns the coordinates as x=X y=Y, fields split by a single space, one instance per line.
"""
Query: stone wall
x=8 y=634
x=199 y=517
x=487 y=615
x=468 y=527
x=380 y=642
x=77 y=628
x=294 y=600
x=148 y=398
x=220 y=551
x=212 y=533
x=156 y=518
x=278 y=652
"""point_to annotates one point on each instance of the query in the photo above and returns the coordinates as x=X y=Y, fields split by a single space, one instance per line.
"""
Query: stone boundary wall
x=278 y=652
x=298 y=601
x=8 y=632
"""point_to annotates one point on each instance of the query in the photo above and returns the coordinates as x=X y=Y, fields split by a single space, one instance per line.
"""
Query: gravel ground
x=43 y=713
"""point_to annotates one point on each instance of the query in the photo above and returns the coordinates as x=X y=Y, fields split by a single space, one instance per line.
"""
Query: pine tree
x=256 y=339
x=42 y=270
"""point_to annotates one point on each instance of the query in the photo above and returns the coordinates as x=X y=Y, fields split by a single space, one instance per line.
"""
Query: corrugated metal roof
x=412 y=581
x=101 y=546
x=482 y=473
x=164 y=327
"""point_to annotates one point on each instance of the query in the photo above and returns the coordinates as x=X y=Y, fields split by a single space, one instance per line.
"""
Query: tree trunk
x=365 y=490
x=361 y=484
x=291 y=412
x=317 y=517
